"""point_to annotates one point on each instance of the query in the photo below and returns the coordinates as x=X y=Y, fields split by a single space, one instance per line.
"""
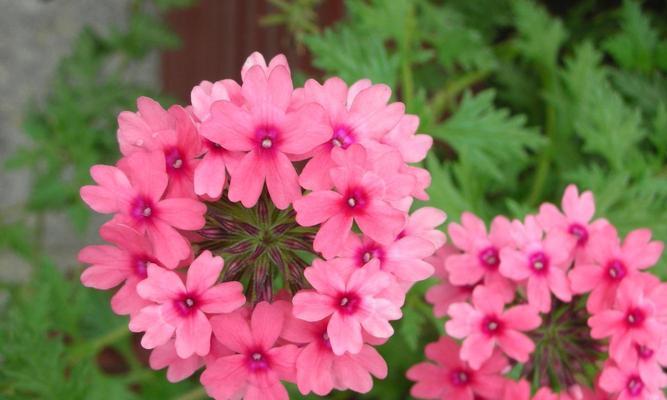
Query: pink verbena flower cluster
x=558 y=300
x=263 y=232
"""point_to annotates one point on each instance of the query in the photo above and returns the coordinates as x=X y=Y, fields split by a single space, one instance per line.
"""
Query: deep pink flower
x=268 y=133
x=352 y=300
x=480 y=257
x=444 y=294
x=485 y=324
x=257 y=366
x=403 y=258
x=359 y=114
x=126 y=261
x=631 y=320
x=542 y=262
x=574 y=221
x=319 y=370
x=624 y=381
x=447 y=377
x=360 y=196
x=611 y=263
x=184 y=308
x=135 y=194
x=650 y=360
x=171 y=132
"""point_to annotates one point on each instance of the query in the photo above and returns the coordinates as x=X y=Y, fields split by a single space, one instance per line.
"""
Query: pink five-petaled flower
x=351 y=296
x=172 y=132
x=135 y=193
x=611 y=263
x=184 y=308
x=127 y=262
x=403 y=258
x=444 y=294
x=485 y=324
x=542 y=262
x=257 y=366
x=319 y=370
x=481 y=251
x=633 y=319
x=359 y=114
x=359 y=196
x=574 y=221
x=624 y=381
x=450 y=378
x=165 y=356
x=268 y=132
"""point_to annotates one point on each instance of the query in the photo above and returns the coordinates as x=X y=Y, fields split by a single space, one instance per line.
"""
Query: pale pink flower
x=178 y=369
x=403 y=258
x=444 y=294
x=611 y=263
x=257 y=59
x=359 y=114
x=172 y=132
x=351 y=300
x=403 y=137
x=574 y=221
x=480 y=257
x=424 y=223
x=268 y=133
x=624 y=381
x=486 y=324
x=135 y=194
x=541 y=262
x=320 y=371
x=257 y=365
x=206 y=93
x=632 y=319
x=360 y=196
x=184 y=308
x=447 y=377
x=126 y=261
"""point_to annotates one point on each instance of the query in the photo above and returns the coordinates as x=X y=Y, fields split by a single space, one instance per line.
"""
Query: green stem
x=407 y=79
x=194 y=394
x=87 y=349
x=442 y=98
x=544 y=161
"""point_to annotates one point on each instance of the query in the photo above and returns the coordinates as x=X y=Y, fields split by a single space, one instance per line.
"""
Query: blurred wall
x=34 y=36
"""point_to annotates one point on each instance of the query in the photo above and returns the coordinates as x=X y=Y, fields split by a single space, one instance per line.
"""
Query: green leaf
x=634 y=47
x=491 y=141
x=353 y=56
x=540 y=35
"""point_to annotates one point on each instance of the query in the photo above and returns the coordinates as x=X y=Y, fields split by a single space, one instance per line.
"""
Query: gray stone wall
x=34 y=36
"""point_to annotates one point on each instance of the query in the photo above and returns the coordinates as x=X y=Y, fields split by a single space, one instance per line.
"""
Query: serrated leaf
x=634 y=47
x=490 y=139
x=540 y=35
x=342 y=52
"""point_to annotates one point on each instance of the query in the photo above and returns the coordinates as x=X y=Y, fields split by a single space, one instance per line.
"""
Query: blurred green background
x=522 y=97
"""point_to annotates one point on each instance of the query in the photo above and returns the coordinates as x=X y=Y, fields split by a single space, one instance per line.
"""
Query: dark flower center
x=635 y=317
x=635 y=385
x=459 y=377
x=492 y=325
x=580 y=232
x=142 y=209
x=342 y=137
x=539 y=262
x=348 y=303
x=489 y=258
x=266 y=137
x=258 y=361
x=616 y=270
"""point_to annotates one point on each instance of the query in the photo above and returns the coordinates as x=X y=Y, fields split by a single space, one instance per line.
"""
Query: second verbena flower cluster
x=263 y=232
x=557 y=301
